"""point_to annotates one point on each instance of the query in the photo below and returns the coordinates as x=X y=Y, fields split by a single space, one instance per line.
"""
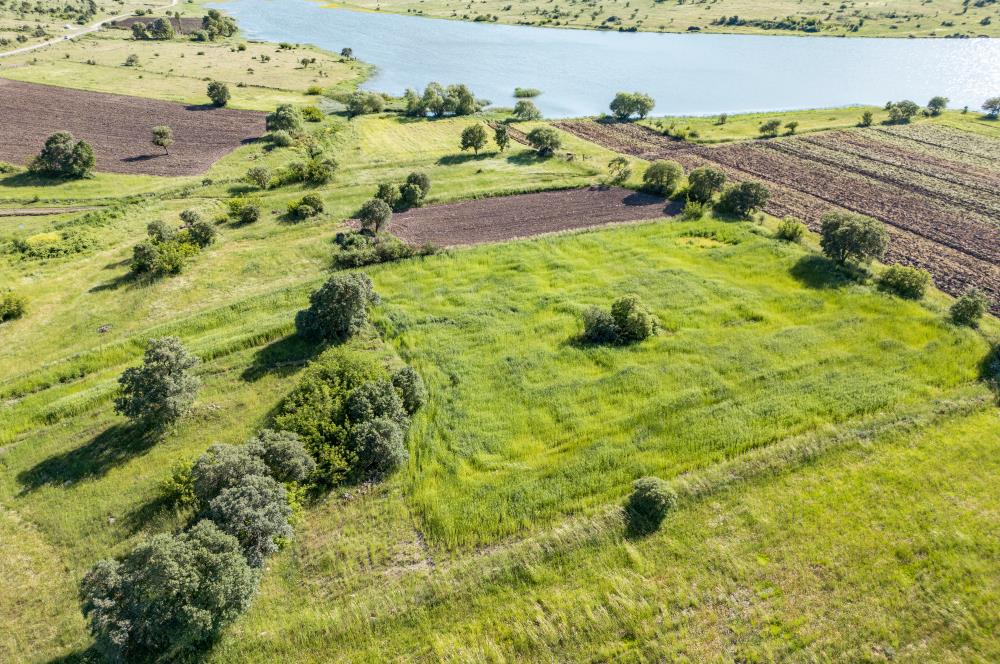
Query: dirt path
x=43 y=211
x=526 y=215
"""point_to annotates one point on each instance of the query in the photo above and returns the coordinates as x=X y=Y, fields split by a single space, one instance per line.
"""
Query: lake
x=688 y=74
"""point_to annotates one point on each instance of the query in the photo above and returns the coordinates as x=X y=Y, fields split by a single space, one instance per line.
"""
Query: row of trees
x=439 y=101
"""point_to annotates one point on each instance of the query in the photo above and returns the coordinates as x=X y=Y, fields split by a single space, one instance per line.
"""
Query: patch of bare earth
x=119 y=128
x=525 y=215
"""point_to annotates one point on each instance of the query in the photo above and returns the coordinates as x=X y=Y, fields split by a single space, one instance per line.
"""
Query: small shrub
x=411 y=388
x=244 y=210
x=218 y=93
x=790 y=229
x=312 y=114
x=281 y=138
x=360 y=249
x=650 y=502
x=633 y=321
x=259 y=176
x=12 y=306
x=908 y=282
x=599 y=327
x=662 y=177
x=339 y=309
x=314 y=90
x=969 y=308
x=202 y=233
x=178 y=489
x=693 y=210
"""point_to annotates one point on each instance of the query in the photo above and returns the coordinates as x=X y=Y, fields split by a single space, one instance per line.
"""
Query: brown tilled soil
x=524 y=215
x=182 y=26
x=945 y=228
x=119 y=128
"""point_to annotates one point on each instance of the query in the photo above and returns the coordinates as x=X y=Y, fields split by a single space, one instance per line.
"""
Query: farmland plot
x=938 y=189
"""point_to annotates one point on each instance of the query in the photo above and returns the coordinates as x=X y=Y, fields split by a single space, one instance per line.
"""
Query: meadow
x=833 y=447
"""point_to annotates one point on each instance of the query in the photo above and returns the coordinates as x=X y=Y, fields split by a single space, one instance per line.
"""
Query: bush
x=524 y=93
x=169 y=596
x=907 y=282
x=177 y=490
x=379 y=447
x=790 y=229
x=360 y=103
x=339 y=309
x=202 y=233
x=360 y=249
x=376 y=399
x=12 y=306
x=545 y=140
x=410 y=196
x=281 y=138
x=308 y=206
x=221 y=467
x=284 y=118
x=218 y=92
x=620 y=170
x=64 y=157
x=259 y=176
x=312 y=114
x=704 y=182
x=389 y=193
x=375 y=215
x=421 y=180
x=526 y=111
x=314 y=90
x=319 y=170
x=770 y=128
x=650 y=502
x=599 y=327
x=244 y=210
x=256 y=513
x=284 y=455
x=844 y=236
x=161 y=390
x=969 y=308
x=411 y=389
x=633 y=321
x=902 y=112
x=662 y=177
x=744 y=199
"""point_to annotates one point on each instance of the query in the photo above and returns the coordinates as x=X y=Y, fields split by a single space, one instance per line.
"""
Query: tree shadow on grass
x=989 y=370
x=820 y=272
x=526 y=157
x=637 y=526
x=283 y=357
x=454 y=159
x=129 y=279
x=111 y=448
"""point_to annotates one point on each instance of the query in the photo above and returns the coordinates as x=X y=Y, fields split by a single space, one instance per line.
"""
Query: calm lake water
x=688 y=74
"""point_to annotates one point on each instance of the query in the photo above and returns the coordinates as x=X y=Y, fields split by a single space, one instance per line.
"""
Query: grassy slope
x=882 y=18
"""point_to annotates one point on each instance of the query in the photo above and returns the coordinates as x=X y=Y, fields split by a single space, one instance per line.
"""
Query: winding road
x=73 y=34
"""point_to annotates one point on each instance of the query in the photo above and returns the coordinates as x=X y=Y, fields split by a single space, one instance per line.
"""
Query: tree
x=474 y=137
x=937 y=105
x=411 y=389
x=360 y=103
x=163 y=137
x=218 y=92
x=903 y=111
x=168 y=596
x=161 y=28
x=704 y=182
x=388 y=192
x=379 y=446
x=627 y=104
x=347 y=53
x=662 y=177
x=338 y=309
x=221 y=467
x=845 y=236
x=525 y=110
x=283 y=453
x=12 y=305
x=216 y=25
x=284 y=118
x=545 y=140
x=201 y=233
x=421 y=180
x=992 y=107
x=373 y=399
x=501 y=137
x=770 y=128
x=620 y=170
x=139 y=31
x=375 y=215
x=969 y=308
x=791 y=127
x=65 y=157
x=160 y=391
x=256 y=513
x=867 y=118
x=744 y=199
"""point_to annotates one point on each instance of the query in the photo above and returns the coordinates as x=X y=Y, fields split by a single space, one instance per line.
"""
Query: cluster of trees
x=161 y=28
x=12 y=305
x=308 y=206
x=214 y=25
x=361 y=103
x=376 y=213
x=772 y=128
x=627 y=104
x=741 y=200
x=439 y=101
x=475 y=137
x=629 y=321
x=364 y=248
x=901 y=112
x=63 y=156
x=167 y=250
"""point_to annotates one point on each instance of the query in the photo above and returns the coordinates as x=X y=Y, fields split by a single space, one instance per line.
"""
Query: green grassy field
x=28 y=23
x=881 y=18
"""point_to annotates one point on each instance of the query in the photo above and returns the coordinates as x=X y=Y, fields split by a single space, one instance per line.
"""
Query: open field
x=880 y=18
x=936 y=187
x=202 y=134
x=505 y=218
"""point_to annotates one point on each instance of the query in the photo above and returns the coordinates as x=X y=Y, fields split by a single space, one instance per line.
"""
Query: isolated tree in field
x=163 y=137
x=169 y=596
x=501 y=137
x=704 y=182
x=902 y=112
x=937 y=105
x=661 y=177
x=162 y=389
x=161 y=28
x=218 y=92
x=65 y=157
x=375 y=215
x=620 y=170
x=284 y=118
x=545 y=140
x=744 y=199
x=132 y=60
x=992 y=107
x=347 y=53
x=632 y=319
x=474 y=138
x=969 y=308
x=338 y=309
x=256 y=513
x=791 y=127
x=867 y=118
x=627 y=104
x=770 y=128
x=845 y=236
x=526 y=111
